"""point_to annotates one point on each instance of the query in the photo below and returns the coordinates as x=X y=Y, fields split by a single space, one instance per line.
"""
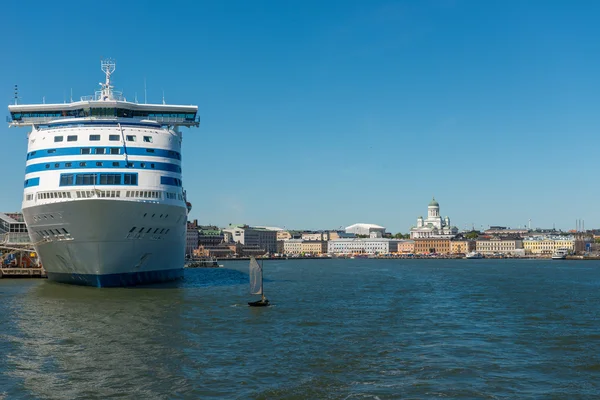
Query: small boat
x=474 y=255
x=256 y=283
x=560 y=254
x=204 y=263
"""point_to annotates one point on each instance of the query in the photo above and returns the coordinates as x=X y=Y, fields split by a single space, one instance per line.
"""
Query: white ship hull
x=109 y=242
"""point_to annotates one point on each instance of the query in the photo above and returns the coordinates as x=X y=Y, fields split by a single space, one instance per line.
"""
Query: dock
x=22 y=273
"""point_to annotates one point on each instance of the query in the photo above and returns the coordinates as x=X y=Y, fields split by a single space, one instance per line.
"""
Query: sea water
x=337 y=329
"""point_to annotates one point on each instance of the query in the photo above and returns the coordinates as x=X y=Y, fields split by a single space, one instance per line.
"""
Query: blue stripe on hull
x=117 y=280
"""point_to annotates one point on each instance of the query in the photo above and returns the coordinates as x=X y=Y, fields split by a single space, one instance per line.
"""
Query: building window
x=82 y=164
x=115 y=150
x=114 y=138
x=50 y=151
x=68 y=165
x=72 y=138
x=130 y=138
x=85 y=150
x=58 y=138
x=94 y=138
x=100 y=150
x=148 y=139
x=115 y=164
x=149 y=150
x=98 y=164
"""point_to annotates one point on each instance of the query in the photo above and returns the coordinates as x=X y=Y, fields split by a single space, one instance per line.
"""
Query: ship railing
x=97 y=96
x=15 y=238
x=46 y=120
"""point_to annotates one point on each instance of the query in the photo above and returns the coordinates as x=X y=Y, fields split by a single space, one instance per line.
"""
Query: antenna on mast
x=71 y=95
x=145 y=94
x=16 y=95
x=107 y=66
x=164 y=96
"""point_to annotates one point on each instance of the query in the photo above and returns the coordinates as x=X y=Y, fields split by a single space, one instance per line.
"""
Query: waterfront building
x=191 y=238
x=340 y=235
x=429 y=245
x=319 y=236
x=314 y=246
x=548 y=244
x=252 y=237
x=462 y=246
x=362 y=245
x=209 y=235
x=406 y=246
x=503 y=231
x=434 y=225
x=13 y=229
x=365 y=229
x=500 y=245
x=292 y=246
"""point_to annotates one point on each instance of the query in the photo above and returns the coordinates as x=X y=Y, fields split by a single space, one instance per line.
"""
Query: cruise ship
x=104 y=201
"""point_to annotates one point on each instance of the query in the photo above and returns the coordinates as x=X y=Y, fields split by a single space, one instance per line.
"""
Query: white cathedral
x=434 y=225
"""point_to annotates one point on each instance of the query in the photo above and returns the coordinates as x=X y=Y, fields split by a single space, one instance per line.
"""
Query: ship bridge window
x=100 y=150
x=58 y=138
x=94 y=138
x=85 y=179
x=130 y=138
x=110 y=179
x=167 y=180
x=114 y=138
x=104 y=112
x=115 y=150
x=72 y=138
x=148 y=139
x=66 y=179
x=130 y=179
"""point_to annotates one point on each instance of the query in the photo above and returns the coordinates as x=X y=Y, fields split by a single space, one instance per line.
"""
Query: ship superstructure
x=104 y=199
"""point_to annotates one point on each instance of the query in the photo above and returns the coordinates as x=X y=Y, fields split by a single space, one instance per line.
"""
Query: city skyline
x=323 y=115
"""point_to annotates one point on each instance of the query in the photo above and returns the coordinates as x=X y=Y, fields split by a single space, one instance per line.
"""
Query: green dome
x=434 y=203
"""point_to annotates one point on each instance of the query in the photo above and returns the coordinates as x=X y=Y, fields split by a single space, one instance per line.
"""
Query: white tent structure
x=365 y=229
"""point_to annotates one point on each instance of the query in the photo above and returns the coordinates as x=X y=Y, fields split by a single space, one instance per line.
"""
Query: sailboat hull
x=259 y=303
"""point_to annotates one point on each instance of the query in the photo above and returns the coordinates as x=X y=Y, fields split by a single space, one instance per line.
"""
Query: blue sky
x=319 y=114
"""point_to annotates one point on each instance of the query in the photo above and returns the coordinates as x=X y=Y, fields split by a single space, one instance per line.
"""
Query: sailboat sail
x=256 y=282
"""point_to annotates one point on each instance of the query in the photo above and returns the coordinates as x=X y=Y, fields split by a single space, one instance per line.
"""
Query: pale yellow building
x=283 y=235
x=292 y=246
x=498 y=245
x=548 y=244
x=314 y=247
x=406 y=246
